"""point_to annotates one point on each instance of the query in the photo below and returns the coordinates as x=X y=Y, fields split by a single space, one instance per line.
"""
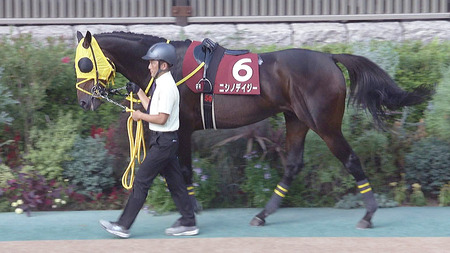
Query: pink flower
x=65 y=59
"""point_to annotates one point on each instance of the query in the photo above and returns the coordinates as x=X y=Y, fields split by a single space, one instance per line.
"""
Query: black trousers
x=161 y=159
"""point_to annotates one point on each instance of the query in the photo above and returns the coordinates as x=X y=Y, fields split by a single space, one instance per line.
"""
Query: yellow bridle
x=102 y=71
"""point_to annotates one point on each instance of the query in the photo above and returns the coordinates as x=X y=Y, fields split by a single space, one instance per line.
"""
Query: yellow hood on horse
x=91 y=63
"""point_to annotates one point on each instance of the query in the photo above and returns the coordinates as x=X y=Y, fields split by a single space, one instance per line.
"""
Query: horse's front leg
x=295 y=141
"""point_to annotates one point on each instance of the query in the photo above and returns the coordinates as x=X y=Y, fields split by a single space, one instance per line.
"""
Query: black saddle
x=211 y=54
x=236 y=52
x=205 y=51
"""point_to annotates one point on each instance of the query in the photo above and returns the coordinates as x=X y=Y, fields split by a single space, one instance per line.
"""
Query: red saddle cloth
x=236 y=74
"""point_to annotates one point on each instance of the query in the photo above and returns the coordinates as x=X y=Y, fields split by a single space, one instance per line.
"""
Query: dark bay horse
x=306 y=86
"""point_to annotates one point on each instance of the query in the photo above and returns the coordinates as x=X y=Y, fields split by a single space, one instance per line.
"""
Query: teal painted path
x=218 y=223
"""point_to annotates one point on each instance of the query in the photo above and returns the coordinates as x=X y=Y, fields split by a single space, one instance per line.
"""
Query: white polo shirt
x=166 y=99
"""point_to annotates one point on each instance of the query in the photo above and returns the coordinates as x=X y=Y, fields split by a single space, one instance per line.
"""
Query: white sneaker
x=182 y=230
x=114 y=228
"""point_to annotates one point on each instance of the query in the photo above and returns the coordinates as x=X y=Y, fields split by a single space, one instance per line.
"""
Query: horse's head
x=94 y=72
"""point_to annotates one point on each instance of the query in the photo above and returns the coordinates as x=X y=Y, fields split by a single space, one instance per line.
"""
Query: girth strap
x=207 y=111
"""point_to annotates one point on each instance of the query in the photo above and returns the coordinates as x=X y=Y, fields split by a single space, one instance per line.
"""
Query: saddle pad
x=236 y=75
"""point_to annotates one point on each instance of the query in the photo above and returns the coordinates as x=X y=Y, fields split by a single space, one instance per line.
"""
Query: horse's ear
x=79 y=36
x=87 y=40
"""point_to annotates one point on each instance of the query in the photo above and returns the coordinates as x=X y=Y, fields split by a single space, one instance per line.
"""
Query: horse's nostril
x=83 y=104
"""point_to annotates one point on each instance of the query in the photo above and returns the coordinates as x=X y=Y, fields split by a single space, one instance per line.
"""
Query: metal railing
x=314 y=7
x=212 y=11
x=84 y=8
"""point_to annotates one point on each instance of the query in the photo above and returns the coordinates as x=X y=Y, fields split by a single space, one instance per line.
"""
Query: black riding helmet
x=162 y=52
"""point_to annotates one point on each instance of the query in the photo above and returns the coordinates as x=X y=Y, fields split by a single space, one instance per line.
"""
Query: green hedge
x=428 y=164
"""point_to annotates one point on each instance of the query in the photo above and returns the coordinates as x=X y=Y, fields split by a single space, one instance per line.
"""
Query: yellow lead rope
x=136 y=144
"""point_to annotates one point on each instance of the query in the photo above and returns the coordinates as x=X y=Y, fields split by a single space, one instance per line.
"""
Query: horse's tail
x=374 y=90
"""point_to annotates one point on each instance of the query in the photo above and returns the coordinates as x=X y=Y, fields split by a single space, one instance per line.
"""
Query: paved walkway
x=418 y=228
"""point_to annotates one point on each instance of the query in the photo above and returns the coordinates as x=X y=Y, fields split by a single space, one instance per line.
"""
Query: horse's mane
x=144 y=38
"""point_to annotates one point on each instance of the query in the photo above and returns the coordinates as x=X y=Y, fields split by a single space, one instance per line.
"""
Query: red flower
x=96 y=131
x=99 y=195
x=65 y=59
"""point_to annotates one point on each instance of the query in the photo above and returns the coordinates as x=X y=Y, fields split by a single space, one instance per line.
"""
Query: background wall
x=257 y=35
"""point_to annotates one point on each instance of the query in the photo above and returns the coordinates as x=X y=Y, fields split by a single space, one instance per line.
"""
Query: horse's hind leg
x=295 y=140
x=342 y=150
x=184 y=155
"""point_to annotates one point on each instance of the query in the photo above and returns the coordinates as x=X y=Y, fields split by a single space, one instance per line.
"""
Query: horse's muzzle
x=89 y=103
x=84 y=104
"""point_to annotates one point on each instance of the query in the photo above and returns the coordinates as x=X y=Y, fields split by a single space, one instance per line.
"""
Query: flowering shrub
x=260 y=181
x=351 y=200
x=444 y=195
x=6 y=99
x=90 y=171
x=5 y=174
x=417 y=198
x=399 y=190
x=427 y=164
x=9 y=146
x=206 y=181
x=31 y=191
x=110 y=200
x=50 y=146
x=159 y=198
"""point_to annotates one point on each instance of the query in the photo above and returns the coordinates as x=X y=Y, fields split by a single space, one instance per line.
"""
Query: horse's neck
x=126 y=54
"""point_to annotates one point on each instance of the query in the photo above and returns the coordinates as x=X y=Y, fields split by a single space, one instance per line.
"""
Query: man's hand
x=132 y=87
x=160 y=118
x=137 y=115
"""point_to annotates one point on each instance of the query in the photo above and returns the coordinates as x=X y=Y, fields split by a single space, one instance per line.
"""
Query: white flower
x=198 y=171
x=19 y=202
x=19 y=210
x=416 y=186
x=54 y=206
x=57 y=200
x=63 y=202
x=14 y=204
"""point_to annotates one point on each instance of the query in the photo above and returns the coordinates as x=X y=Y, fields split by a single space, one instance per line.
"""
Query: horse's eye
x=85 y=65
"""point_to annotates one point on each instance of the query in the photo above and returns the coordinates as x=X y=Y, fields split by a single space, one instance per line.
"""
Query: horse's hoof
x=256 y=221
x=363 y=224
